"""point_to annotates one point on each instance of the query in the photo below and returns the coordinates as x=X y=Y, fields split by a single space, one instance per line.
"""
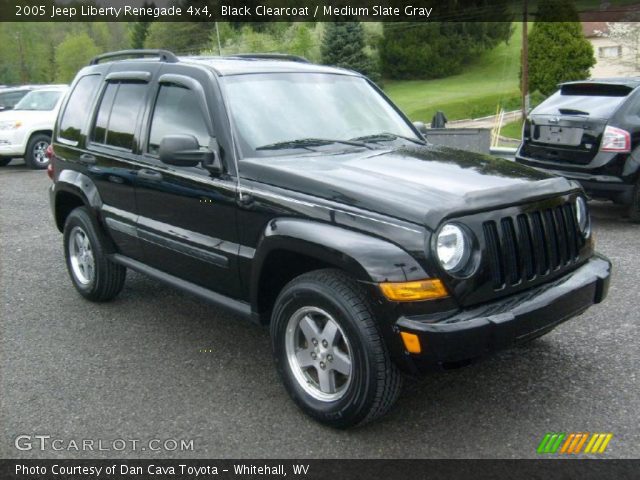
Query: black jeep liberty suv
x=300 y=197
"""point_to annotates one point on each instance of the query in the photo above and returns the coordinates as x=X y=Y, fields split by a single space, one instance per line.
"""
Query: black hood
x=420 y=184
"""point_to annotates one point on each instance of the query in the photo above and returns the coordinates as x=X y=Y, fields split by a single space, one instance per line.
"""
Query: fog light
x=411 y=342
x=414 y=291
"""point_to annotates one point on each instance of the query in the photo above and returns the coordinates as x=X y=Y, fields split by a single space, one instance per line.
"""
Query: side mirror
x=184 y=151
x=421 y=127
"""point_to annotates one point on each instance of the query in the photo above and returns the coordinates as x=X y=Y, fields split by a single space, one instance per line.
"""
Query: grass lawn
x=492 y=79
x=512 y=130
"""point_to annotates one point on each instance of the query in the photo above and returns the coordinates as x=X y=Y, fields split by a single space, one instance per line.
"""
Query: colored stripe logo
x=573 y=443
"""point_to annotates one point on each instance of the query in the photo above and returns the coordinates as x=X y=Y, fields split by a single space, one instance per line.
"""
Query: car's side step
x=237 y=307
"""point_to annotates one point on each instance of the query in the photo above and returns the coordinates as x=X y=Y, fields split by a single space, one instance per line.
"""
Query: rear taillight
x=49 y=155
x=615 y=140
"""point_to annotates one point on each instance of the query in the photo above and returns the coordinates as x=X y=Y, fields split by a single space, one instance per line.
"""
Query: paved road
x=134 y=368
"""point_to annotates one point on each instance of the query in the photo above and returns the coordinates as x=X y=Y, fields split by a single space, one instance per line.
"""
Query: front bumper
x=472 y=333
x=12 y=143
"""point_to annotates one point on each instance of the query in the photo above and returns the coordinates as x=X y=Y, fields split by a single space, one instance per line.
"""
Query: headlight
x=582 y=216
x=10 y=124
x=453 y=248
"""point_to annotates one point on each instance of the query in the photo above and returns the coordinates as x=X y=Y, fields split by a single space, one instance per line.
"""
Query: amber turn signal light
x=414 y=291
x=411 y=342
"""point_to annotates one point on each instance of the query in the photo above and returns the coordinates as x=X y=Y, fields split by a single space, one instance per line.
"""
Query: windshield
x=10 y=98
x=39 y=100
x=275 y=113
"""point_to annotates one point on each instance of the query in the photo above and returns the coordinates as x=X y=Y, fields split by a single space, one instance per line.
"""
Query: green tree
x=343 y=45
x=180 y=37
x=300 y=39
x=139 y=30
x=73 y=53
x=107 y=36
x=558 y=51
x=24 y=53
x=138 y=34
x=436 y=49
x=440 y=49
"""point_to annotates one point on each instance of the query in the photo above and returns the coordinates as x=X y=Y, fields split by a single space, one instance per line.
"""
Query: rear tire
x=329 y=351
x=4 y=161
x=35 y=156
x=85 y=246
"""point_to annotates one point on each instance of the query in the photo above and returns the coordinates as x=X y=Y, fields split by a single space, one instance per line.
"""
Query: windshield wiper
x=386 y=137
x=309 y=142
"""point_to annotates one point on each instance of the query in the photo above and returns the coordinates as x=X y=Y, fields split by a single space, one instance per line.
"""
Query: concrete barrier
x=471 y=139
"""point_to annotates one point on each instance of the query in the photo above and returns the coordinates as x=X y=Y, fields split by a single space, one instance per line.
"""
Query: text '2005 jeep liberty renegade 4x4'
x=300 y=197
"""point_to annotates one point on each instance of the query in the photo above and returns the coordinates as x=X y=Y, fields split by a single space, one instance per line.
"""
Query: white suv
x=26 y=130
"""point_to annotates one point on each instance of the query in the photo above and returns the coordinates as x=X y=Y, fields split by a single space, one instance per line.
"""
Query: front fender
x=367 y=258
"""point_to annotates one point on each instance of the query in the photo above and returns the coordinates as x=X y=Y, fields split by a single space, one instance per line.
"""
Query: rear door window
x=118 y=113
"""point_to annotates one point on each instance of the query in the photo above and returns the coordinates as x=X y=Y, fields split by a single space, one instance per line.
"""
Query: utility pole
x=218 y=35
x=525 y=61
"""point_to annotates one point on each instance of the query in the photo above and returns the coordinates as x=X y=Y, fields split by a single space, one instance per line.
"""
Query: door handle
x=87 y=159
x=150 y=175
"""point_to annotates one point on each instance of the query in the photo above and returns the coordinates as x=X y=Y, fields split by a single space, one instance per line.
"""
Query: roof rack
x=272 y=56
x=164 y=55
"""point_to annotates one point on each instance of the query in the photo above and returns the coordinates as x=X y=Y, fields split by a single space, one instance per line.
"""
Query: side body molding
x=367 y=258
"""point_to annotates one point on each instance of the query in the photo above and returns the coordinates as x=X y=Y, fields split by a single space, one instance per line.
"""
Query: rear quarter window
x=76 y=113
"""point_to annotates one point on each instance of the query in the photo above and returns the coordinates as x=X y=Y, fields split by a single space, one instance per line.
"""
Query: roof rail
x=164 y=55
x=272 y=56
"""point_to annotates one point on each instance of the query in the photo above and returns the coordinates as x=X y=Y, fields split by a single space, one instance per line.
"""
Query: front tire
x=85 y=247
x=35 y=157
x=329 y=351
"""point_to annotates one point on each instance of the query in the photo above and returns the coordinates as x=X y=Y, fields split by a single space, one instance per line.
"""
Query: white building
x=615 y=56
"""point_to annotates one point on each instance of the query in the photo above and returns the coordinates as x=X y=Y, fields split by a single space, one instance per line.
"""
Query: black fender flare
x=80 y=185
x=368 y=258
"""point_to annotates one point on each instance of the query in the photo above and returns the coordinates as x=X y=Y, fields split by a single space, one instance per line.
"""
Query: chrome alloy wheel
x=40 y=153
x=319 y=354
x=81 y=256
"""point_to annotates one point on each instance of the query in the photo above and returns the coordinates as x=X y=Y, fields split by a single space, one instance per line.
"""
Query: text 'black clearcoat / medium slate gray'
x=298 y=196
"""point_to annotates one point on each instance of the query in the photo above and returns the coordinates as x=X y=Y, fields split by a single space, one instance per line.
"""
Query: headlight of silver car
x=582 y=216
x=10 y=124
x=453 y=248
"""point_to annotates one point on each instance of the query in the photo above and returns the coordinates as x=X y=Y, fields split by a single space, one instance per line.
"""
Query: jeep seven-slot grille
x=531 y=245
